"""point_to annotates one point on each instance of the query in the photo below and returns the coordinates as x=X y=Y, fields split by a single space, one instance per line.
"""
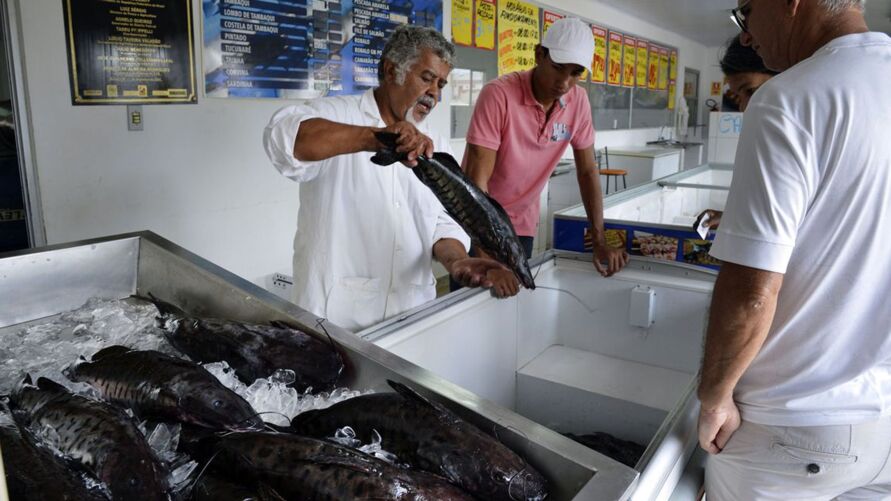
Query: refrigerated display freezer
x=580 y=354
x=654 y=220
x=43 y=283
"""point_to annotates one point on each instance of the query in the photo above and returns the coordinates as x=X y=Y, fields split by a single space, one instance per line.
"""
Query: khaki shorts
x=847 y=462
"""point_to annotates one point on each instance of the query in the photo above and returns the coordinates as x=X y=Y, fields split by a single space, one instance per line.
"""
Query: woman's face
x=745 y=84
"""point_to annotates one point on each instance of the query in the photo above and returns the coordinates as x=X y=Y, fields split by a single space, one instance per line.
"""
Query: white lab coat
x=363 y=250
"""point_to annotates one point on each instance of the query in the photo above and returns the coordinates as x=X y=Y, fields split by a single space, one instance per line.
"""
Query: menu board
x=614 y=75
x=653 y=68
x=518 y=34
x=641 y=73
x=302 y=48
x=128 y=52
x=629 y=52
x=598 y=68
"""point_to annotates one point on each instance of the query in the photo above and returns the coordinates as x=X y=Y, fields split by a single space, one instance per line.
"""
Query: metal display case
x=42 y=283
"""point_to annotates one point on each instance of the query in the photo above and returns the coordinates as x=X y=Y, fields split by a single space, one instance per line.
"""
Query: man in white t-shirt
x=366 y=234
x=796 y=379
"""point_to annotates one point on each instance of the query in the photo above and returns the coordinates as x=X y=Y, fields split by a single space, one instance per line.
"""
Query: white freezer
x=573 y=367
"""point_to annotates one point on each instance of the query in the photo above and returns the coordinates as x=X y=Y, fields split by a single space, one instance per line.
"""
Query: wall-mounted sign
x=302 y=48
x=629 y=52
x=484 y=32
x=127 y=52
x=641 y=73
x=663 y=68
x=598 y=69
x=462 y=22
x=614 y=74
x=547 y=19
x=518 y=34
x=653 y=68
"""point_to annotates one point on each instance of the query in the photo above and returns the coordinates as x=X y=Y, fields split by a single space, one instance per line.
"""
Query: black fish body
x=99 y=436
x=430 y=437
x=157 y=386
x=34 y=473
x=213 y=487
x=315 y=470
x=480 y=215
x=253 y=350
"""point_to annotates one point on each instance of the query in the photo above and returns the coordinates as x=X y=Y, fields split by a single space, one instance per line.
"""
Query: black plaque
x=130 y=51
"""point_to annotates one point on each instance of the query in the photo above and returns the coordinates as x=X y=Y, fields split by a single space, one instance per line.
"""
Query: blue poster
x=302 y=49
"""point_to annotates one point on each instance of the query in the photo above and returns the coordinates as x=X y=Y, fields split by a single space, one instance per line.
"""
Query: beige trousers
x=849 y=462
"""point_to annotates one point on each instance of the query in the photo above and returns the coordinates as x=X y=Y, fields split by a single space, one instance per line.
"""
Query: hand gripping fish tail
x=480 y=215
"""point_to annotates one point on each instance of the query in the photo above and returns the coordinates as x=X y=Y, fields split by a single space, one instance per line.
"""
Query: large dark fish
x=315 y=470
x=34 y=473
x=99 y=436
x=429 y=436
x=253 y=350
x=164 y=388
x=480 y=215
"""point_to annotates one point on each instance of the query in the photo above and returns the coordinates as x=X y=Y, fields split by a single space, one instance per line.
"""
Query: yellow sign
x=653 y=68
x=549 y=18
x=642 y=62
x=614 y=75
x=518 y=35
x=462 y=22
x=663 y=69
x=673 y=74
x=628 y=54
x=485 y=24
x=598 y=68
x=672 y=89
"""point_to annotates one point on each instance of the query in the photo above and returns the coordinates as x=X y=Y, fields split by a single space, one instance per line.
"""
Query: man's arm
x=320 y=139
x=592 y=198
x=743 y=305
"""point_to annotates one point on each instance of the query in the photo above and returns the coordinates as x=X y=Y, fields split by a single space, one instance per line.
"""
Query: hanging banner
x=130 y=52
x=629 y=52
x=598 y=68
x=673 y=74
x=301 y=49
x=484 y=22
x=614 y=76
x=547 y=19
x=462 y=22
x=653 y=68
x=671 y=93
x=518 y=34
x=642 y=52
x=663 y=69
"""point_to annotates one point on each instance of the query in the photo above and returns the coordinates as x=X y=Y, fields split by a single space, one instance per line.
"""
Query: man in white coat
x=366 y=234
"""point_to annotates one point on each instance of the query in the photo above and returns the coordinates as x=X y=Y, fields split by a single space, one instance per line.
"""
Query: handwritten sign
x=462 y=22
x=518 y=35
x=485 y=25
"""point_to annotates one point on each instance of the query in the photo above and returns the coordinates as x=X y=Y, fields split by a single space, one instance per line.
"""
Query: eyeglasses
x=739 y=15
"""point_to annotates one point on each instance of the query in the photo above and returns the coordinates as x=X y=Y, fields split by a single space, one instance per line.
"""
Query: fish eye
x=133 y=481
x=217 y=403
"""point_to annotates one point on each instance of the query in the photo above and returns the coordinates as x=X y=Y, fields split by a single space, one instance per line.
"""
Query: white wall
x=197 y=174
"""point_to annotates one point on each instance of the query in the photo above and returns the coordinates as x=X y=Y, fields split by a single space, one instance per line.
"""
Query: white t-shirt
x=811 y=198
x=363 y=250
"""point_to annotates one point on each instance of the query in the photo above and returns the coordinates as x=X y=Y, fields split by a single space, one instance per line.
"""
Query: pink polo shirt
x=508 y=119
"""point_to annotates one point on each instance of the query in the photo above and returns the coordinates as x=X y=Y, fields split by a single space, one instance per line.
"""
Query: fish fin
x=26 y=381
x=111 y=351
x=46 y=384
x=448 y=161
x=165 y=308
x=387 y=155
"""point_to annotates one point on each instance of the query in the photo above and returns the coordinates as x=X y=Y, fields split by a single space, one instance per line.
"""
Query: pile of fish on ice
x=81 y=433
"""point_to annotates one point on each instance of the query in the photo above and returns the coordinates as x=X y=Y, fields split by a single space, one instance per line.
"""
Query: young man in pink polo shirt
x=520 y=128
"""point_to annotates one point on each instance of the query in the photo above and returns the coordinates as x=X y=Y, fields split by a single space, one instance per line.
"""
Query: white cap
x=570 y=41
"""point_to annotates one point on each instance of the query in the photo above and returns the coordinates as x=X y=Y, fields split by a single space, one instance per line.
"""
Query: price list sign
x=302 y=49
x=130 y=51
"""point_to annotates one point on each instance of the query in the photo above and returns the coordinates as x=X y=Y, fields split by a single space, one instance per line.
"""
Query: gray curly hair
x=404 y=48
x=837 y=6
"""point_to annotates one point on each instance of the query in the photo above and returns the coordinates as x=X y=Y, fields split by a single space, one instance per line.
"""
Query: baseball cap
x=570 y=41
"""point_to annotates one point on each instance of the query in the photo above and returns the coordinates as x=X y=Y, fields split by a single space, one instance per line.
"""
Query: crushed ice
x=273 y=399
x=347 y=436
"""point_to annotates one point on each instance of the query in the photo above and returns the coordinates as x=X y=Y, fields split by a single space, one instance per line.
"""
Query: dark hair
x=741 y=59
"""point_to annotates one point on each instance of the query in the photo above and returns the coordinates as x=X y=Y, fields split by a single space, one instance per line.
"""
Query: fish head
x=134 y=478
x=215 y=406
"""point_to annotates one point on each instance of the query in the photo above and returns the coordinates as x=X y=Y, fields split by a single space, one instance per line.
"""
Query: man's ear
x=389 y=71
x=539 y=54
